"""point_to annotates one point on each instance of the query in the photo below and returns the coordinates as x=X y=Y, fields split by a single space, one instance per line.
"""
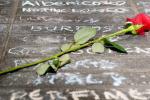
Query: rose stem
x=12 y=69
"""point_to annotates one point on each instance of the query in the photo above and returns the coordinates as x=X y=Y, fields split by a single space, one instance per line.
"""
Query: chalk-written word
x=57 y=20
x=47 y=3
x=44 y=19
x=89 y=63
x=68 y=79
x=82 y=11
x=49 y=28
x=25 y=51
x=112 y=94
x=21 y=51
x=72 y=79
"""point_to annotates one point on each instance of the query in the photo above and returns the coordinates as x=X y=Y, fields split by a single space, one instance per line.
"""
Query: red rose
x=141 y=19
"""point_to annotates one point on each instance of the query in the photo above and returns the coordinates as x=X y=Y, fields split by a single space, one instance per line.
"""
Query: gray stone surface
x=34 y=29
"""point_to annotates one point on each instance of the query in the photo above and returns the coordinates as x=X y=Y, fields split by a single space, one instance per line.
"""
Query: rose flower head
x=141 y=19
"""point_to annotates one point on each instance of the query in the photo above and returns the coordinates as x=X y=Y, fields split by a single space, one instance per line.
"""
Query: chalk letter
x=35 y=95
x=137 y=95
x=18 y=95
x=118 y=96
x=77 y=94
x=27 y=3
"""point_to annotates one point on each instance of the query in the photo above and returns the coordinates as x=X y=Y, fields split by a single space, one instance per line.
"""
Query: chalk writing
x=84 y=93
x=56 y=95
x=77 y=94
x=83 y=11
x=117 y=96
x=21 y=61
x=134 y=93
x=38 y=80
x=43 y=19
x=75 y=3
x=76 y=84
x=18 y=95
x=48 y=28
x=19 y=51
x=25 y=51
x=112 y=94
x=117 y=79
x=35 y=95
x=57 y=20
x=68 y=78
x=89 y=63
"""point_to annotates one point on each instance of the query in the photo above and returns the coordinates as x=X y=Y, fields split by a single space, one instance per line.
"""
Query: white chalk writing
x=25 y=51
x=117 y=96
x=114 y=94
x=35 y=95
x=117 y=79
x=56 y=20
x=56 y=95
x=34 y=3
x=83 y=11
x=69 y=79
x=89 y=63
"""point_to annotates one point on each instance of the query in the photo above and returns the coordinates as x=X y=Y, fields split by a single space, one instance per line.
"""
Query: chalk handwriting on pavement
x=112 y=94
x=34 y=3
x=27 y=6
x=26 y=51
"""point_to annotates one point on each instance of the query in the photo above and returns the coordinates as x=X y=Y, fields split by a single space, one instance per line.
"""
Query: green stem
x=12 y=69
x=116 y=34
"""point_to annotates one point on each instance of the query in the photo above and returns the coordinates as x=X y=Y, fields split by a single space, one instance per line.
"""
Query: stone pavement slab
x=34 y=29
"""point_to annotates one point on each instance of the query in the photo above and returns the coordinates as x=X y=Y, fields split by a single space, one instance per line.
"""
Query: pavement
x=33 y=29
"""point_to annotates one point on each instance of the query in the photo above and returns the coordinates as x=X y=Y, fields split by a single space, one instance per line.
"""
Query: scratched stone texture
x=34 y=29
